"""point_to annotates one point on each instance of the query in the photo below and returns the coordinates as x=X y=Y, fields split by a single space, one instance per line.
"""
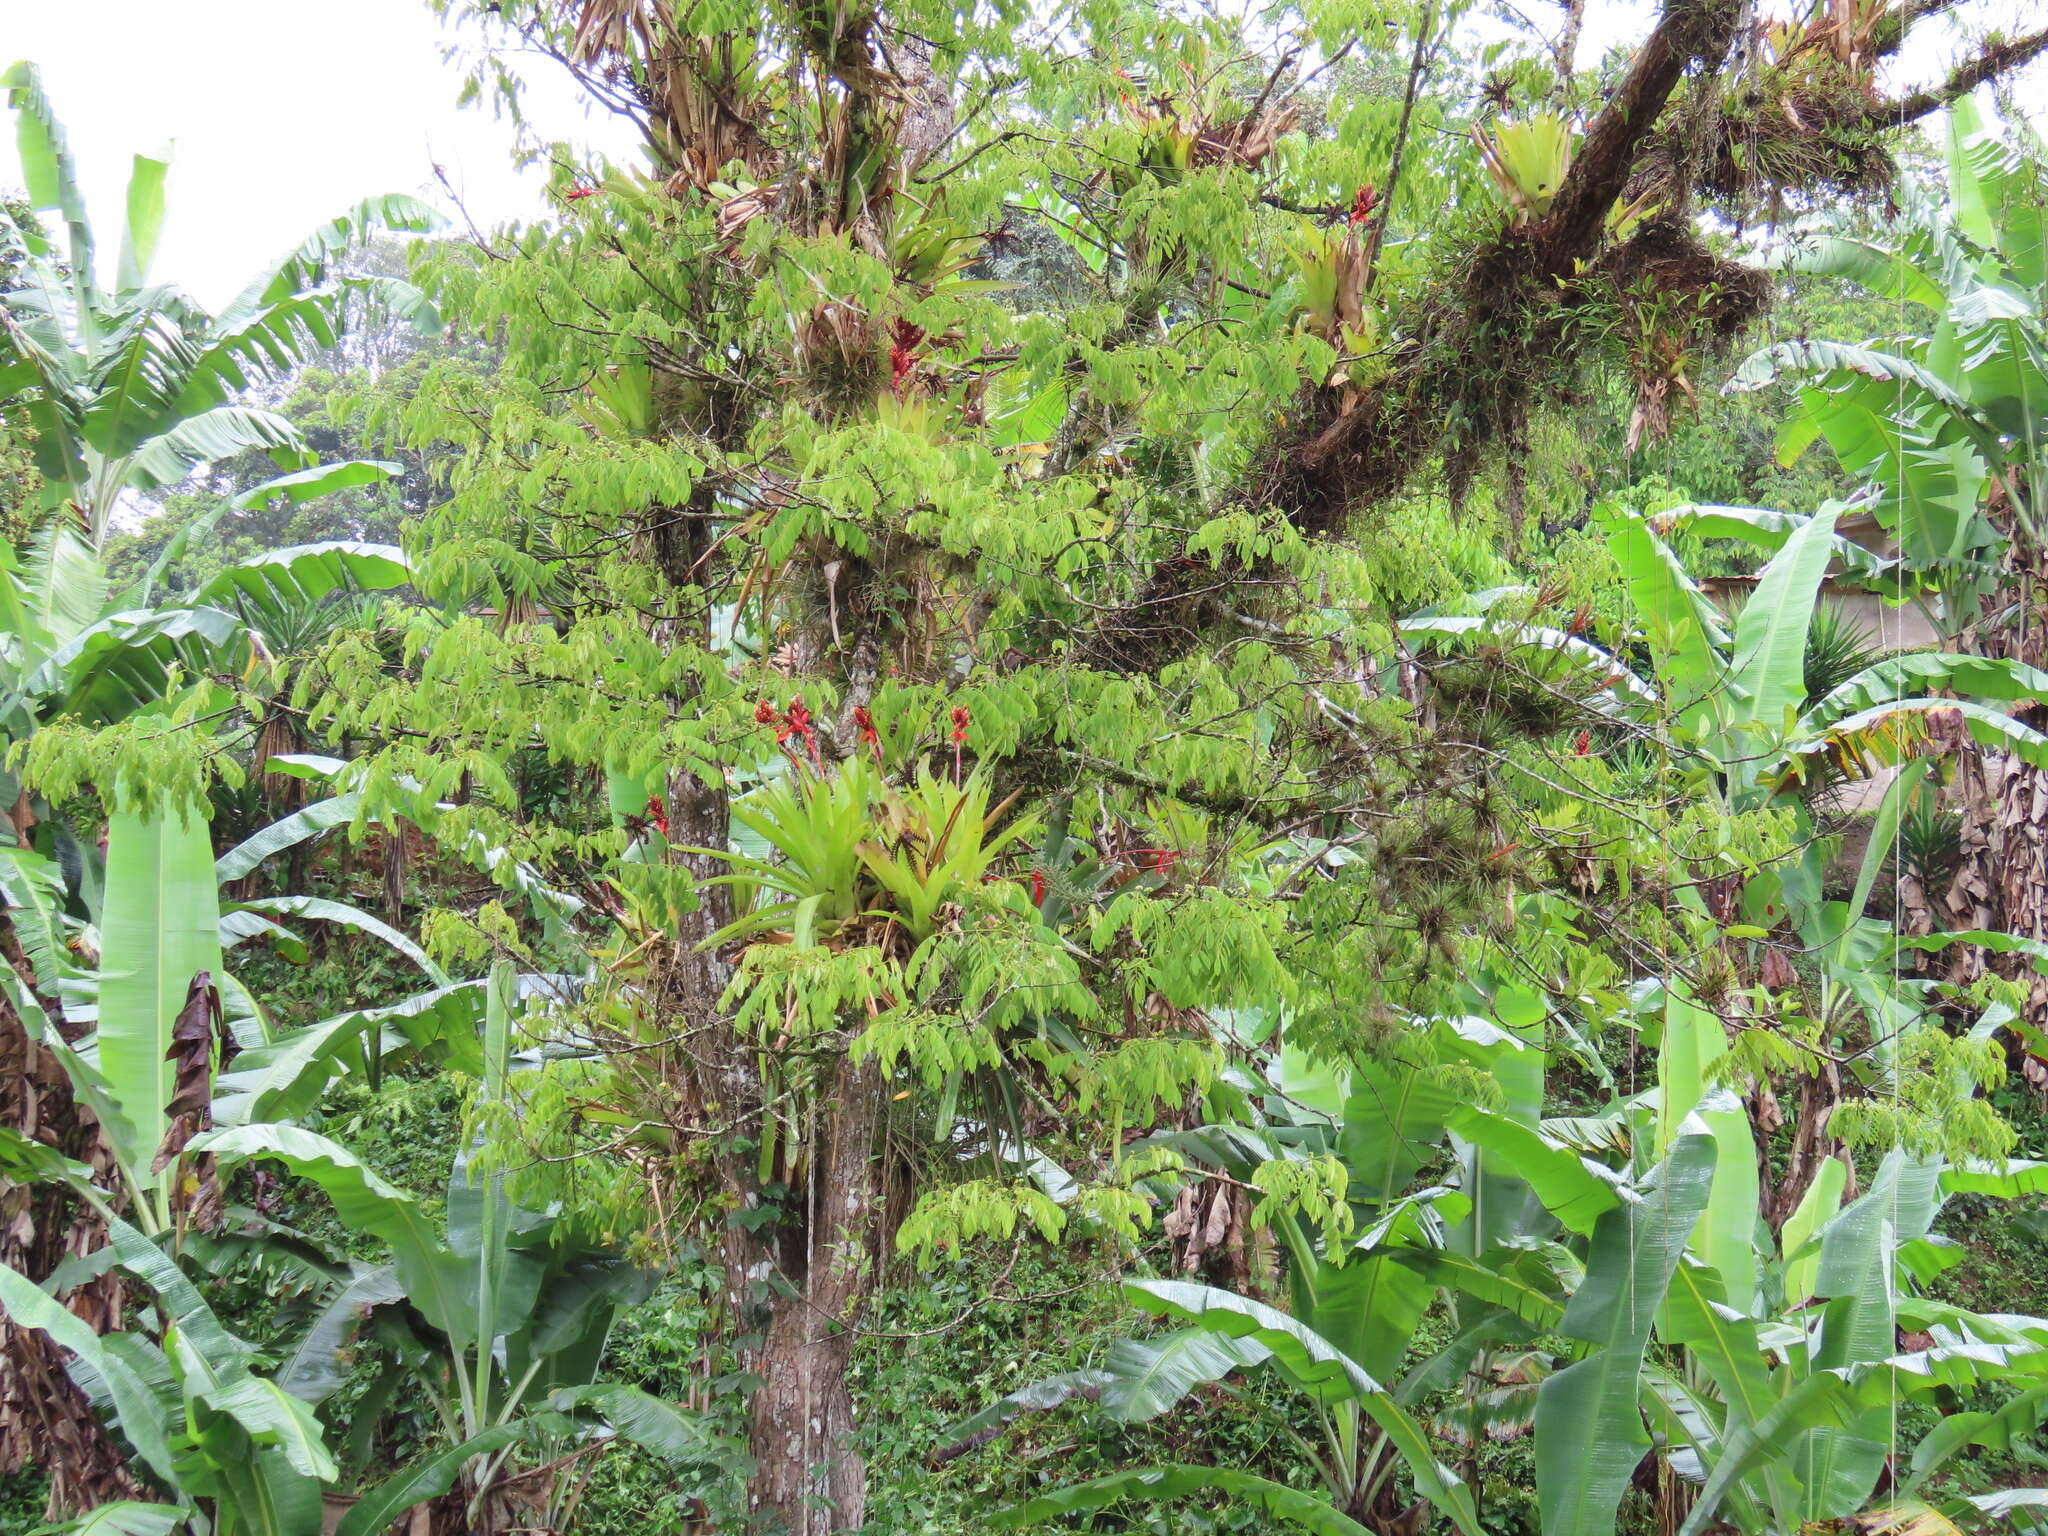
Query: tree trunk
x=794 y=1278
x=809 y=1474
x=45 y=1421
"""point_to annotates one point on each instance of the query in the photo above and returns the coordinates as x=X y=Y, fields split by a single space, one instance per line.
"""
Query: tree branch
x=1688 y=30
x=1995 y=59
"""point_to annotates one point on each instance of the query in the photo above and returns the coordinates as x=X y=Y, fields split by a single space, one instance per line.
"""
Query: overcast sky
x=283 y=112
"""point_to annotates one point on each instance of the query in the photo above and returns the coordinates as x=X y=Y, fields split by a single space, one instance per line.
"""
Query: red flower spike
x=1363 y=204
x=658 y=814
x=580 y=190
x=764 y=713
x=904 y=340
x=960 y=721
x=796 y=721
x=1037 y=888
x=865 y=723
x=1582 y=744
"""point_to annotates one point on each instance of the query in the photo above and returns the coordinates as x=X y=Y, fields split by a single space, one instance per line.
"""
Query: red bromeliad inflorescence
x=865 y=724
x=1582 y=744
x=961 y=720
x=657 y=813
x=904 y=340
x=1363 y=204
x=795 y=721
x=580 y=190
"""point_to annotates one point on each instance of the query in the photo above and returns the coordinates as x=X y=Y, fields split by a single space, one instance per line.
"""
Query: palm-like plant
x=128 y=387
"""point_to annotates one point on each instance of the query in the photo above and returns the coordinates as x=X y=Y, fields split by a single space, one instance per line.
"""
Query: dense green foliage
x=1105 y=769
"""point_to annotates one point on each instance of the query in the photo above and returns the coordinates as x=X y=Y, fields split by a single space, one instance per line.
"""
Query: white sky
x=284 y=112
x=281 y=113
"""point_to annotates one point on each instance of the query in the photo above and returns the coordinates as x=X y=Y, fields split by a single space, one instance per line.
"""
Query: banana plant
x=1947 y=424
x=1368 y=1431
x=1486 y=1244
x=71 y=648
x=238 y=1453
x=140 y=1033
x=127 y=387
x=1741 y=700
x=1736 y=701
x=75 y=648
x=499 y=1317
x=234 y=1452
x=1787 y=1419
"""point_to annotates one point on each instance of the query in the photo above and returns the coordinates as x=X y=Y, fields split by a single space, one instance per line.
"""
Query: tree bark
x=810 y=1475
x=798 y=1268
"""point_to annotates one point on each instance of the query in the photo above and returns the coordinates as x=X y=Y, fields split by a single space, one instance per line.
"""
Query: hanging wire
x=1898 y=786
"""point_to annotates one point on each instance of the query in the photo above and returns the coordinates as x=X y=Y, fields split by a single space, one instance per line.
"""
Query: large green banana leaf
x=1313 y=1364
x=1918 y=673
x=284 y=1078
x=158 y=930
x=1684 y=631
x=1575 y=1189
x=1694 y=1039
x=136 y=1406
x=1885 y=732
x=1602 y=669
x=127 y=1517
x=437 y=1281
x=428 y=1478
x=1589 y=1432
x=1297 y=1508
x=1311 y=1512
x=642 y=1418
x=216 y=1362
x=318 y=1364
x=1862 y=262
x=286 y=832
x=266 y=586
x=1767 y=529
x=1393 y=1123
x=127 y=662
x=1766 y=676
